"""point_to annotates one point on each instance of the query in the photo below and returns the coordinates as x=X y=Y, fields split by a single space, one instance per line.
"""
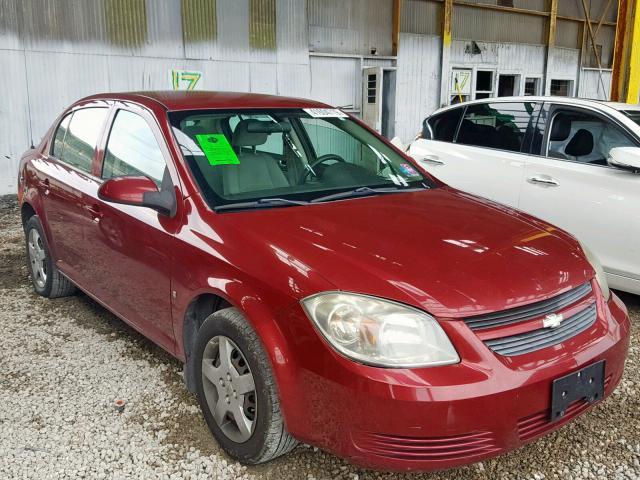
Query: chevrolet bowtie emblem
x=552 y=320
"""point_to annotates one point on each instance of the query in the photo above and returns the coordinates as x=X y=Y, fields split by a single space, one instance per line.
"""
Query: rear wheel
x=45 y=277
x=236 y=390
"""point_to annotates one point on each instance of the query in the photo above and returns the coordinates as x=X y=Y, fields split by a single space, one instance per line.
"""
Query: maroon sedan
x=318 y=285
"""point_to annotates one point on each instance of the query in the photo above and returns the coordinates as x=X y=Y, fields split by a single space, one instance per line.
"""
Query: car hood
x=447 y=252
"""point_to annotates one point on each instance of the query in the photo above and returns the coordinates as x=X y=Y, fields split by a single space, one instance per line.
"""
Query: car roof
x=194 y=100
x=565 y=100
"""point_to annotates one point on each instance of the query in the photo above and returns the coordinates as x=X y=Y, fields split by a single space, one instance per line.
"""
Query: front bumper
x=442 y=417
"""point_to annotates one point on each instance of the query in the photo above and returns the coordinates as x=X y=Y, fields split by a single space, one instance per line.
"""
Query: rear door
x=132 y=246
x=570 y=185
x=67 y=180
x=481 y=148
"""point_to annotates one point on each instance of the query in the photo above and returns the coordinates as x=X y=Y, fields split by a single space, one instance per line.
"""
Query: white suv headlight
x=379 y=332
x=601 y=277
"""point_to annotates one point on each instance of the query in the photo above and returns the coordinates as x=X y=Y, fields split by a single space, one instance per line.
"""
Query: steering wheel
x=321 y=159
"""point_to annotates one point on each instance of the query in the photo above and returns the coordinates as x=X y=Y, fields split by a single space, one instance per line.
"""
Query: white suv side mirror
x=627 y=158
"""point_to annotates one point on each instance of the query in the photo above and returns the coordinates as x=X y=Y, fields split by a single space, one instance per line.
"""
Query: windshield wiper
x=363 y=192
x=260 y=203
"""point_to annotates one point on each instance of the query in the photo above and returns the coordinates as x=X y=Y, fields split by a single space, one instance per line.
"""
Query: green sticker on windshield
x=216 y=148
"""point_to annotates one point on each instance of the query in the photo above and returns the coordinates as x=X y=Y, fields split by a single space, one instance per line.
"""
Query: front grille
x=544 y=337
x=426 y=449
x=539 y=423
x=528 y=312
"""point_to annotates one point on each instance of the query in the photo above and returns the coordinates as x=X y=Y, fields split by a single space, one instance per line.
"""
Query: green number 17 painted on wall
x=184 y=79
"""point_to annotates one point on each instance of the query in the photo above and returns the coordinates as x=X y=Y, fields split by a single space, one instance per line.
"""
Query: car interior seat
x=560 y=131
x=580 y=145
x=256 y=170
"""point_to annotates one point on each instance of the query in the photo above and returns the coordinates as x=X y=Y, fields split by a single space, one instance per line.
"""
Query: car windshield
x=634 y=115
x=283 y=157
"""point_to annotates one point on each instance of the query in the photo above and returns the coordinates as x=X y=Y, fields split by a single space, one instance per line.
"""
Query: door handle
x=94 y=211
x=45 y=184
x=544 y=180
x=432 y=160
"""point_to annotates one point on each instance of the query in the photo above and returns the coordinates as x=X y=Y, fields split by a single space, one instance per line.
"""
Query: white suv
x=572 y=162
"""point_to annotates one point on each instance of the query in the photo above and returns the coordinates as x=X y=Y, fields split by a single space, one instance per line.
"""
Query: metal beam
x=395 y=28
x=551 y=43
x=445 y=63
x=633 y=82
x=619 y=57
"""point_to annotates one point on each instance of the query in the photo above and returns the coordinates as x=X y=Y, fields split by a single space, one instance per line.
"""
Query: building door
x=372 y=97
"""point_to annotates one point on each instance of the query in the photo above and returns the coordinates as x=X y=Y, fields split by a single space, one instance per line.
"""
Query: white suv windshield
x=287 y=155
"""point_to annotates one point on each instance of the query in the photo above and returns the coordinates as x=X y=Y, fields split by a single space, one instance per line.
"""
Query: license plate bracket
x=585 y=384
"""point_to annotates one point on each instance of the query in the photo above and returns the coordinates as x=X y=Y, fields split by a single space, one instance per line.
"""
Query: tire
x=45 y=276
x=268 y=437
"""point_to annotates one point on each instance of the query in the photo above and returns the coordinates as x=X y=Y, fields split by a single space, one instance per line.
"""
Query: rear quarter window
x=444 y=125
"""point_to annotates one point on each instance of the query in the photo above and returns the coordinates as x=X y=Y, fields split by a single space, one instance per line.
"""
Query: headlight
x=601 y=277
x=379 y=332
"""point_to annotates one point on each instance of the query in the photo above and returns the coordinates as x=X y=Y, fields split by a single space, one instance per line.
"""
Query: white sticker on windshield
x=325 y=112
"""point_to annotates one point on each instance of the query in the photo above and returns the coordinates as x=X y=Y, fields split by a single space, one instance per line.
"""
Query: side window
x=584 y=137
x=82 y=137
x=496 y=125
x=132 y=149
x=444 y=125
x=58 y=139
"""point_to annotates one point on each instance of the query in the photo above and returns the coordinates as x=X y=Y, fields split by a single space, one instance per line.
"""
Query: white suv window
x=496 y=125
x=584 y=137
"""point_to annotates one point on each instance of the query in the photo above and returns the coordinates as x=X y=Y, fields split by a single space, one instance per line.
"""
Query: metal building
x=390 y=61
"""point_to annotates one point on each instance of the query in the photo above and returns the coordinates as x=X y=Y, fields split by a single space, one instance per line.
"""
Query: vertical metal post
x=445 y=63
x=633 y=81
x=551 y=43
x=395 y=30
x=619 y=59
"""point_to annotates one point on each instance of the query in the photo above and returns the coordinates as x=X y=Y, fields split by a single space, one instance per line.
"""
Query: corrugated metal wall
x=350 y=26
x=53 y=52
x=417 y=83
x=497 y=26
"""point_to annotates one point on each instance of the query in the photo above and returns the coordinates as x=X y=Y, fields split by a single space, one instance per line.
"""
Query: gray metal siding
x=417 y=82
x=493 y=26
x=350 y=26
x=421 y=16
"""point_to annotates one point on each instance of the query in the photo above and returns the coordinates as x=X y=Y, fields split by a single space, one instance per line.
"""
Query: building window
x=532 y=86
x=508 y=85
x=484 y=84
x=371 y=88
x=561 y=88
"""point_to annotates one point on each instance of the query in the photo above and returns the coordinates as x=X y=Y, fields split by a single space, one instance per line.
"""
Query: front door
x=132 y=246
x=571 y=186
x=372 y=97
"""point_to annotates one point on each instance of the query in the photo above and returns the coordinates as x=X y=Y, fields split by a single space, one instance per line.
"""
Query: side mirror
x=627 y=158
x=138 y=191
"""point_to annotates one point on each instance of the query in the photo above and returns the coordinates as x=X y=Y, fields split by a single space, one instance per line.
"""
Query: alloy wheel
x=229 y=388
x=37 y=257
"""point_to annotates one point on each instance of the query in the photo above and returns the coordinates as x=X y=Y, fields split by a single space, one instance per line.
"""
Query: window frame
x=425 y=123
x=527 y=139
x=97 y=151
x=554 y=108
x=156 y=129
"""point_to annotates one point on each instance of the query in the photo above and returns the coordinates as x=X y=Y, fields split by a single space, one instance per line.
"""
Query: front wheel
x=236 y=390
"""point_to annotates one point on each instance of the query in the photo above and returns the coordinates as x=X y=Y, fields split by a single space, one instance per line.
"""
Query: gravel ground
x=64 y=363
